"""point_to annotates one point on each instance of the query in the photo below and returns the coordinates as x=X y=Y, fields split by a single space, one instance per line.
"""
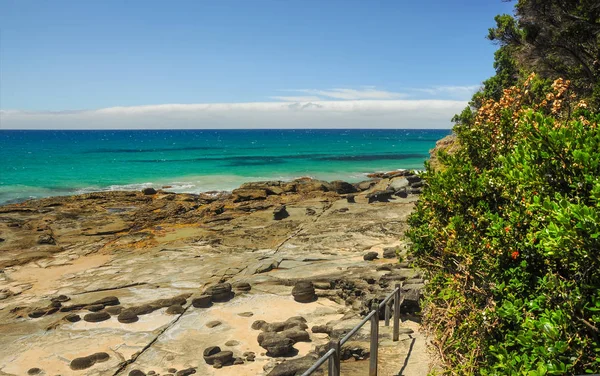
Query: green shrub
x=509 y=231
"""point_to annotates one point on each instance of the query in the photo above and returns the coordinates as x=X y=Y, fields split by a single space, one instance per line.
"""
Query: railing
x=334 y=352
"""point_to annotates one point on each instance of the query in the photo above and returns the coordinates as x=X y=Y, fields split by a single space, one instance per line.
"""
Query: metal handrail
x=334 y=353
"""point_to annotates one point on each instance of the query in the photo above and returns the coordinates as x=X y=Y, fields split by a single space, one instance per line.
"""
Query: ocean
x=36 y=164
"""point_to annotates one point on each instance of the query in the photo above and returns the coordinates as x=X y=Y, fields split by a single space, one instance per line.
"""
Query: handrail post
x=334 y=359
x=396 y=335
x=387 y=314
x=374 y=339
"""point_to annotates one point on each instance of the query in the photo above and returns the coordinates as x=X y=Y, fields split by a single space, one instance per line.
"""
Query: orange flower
x=507 y=229
x=514 y=255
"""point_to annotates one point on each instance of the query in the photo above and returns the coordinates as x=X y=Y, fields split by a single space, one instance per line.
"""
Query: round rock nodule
x=304 y=292
x=34 y=371
x=175 y=309
x=72 y=317
x=136 y=372
x=82 y=363
x=97 y=316
x=221 y=292
x=370 y=256
x=203 y=301
x=127 y=317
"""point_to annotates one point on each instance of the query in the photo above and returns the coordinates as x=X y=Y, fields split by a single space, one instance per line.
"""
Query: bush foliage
x=509 y=231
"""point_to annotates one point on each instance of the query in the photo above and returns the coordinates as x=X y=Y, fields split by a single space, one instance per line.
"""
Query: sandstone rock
x=241 y=195
x=246 y=314
x=82 y=363
x=175 y=309
x=399 y=183
x=280 y=212
x=258 y=324
x=296 y=335
x=276 y=344
x=60 y=298
x=321 y=329
x=295 y=367
x=380 y=196
x=72 y=317
x=242 y=286
x=221 y=292
x=127 y=316
x=232 y=343
x=107 y=301
x=186 y=372
x=97 y=316
x=34 y=371
x=389 y=252
x=342 y=187
x=149 y=191
x=370 y=256
x=203 y=301
x=212 y=324
x=114 y=310
x=304 y=292
x=238 y=361
x=222 y=357
x=95 y=307
x=136 y=372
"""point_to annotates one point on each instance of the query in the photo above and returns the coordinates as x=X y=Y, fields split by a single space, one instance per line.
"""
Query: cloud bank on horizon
x=334 y=108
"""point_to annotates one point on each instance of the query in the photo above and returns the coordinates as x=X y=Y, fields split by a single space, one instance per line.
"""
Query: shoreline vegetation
x=508 y=226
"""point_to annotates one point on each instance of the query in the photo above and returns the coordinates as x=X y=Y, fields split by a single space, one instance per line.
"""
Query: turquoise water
x=36 y=164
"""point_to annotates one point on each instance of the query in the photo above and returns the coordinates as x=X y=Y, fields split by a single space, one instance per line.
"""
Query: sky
x=241 y=64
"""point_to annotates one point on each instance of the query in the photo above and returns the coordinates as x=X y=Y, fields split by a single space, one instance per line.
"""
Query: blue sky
x=89 y=55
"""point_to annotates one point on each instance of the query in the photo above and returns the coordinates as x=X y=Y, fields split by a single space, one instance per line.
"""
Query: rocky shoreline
x=254 y=281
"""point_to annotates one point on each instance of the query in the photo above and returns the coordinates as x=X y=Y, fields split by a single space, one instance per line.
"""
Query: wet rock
x=175 y=309
x=212 y=324
x=242 y=286
x=304 y=292
x=114 y=310
x=148 y=192
x=370 y=256
x=97 y=316
x=321 y=329
x=95 y=307
x=221 y=292
x=127 y=316
x=203 y=301
x=34 y=371
x=72 y=317
x=295 y=367
x=412 y=179
x=186 y=372
x=389 y=252
x=280 y=212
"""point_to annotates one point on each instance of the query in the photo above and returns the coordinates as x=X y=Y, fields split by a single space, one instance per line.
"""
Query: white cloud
x=356 y=94
x=307 y=98
x=300 y=114
x=457 y=92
